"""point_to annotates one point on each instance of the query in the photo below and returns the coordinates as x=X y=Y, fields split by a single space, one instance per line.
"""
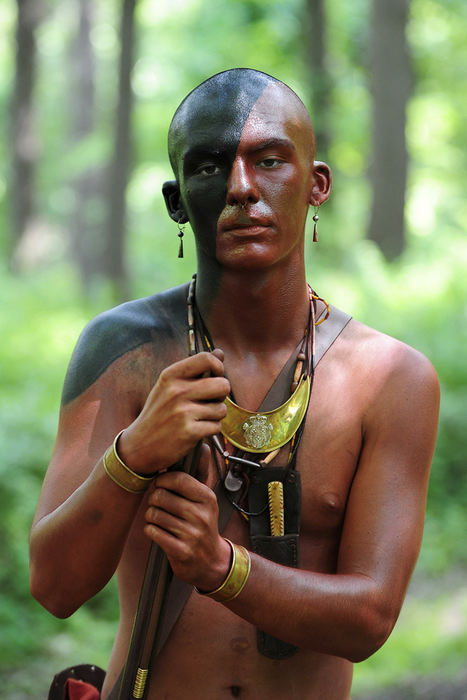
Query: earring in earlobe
x=180 y=235
x=315 y=227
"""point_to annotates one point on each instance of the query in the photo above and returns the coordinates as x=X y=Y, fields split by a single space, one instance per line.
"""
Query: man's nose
x=241 y=185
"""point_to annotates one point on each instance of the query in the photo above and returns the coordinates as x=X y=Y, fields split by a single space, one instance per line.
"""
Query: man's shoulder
x=121 y=329
x=387 y=356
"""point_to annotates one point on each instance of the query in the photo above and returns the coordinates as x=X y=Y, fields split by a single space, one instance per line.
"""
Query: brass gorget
x=265 y=431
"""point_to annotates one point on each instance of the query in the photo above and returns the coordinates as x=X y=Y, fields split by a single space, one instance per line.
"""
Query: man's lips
x=250 y=230
x=244 y=223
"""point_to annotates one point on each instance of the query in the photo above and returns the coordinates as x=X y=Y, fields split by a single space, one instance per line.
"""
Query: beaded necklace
x=259 y=432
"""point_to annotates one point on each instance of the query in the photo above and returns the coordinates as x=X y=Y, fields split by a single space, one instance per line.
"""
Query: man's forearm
x=340 y=614
x=74 y=549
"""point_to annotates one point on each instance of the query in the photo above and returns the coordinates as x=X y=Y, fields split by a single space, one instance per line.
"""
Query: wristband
x=235 y=579
x=122 y=475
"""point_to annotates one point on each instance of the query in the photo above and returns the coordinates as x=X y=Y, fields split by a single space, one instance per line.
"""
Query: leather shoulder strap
x=328 y=331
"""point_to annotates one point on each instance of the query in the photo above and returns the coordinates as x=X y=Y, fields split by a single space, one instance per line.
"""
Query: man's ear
x=322 y=183
x=171 y=192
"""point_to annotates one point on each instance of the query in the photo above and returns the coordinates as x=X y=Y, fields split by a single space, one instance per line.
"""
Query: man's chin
x=247 y=254
x=246 y=262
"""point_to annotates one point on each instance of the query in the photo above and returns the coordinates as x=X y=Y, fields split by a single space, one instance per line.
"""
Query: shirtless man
x=242 y=149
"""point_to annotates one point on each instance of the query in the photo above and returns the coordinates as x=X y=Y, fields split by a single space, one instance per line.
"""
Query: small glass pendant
x=232 y=483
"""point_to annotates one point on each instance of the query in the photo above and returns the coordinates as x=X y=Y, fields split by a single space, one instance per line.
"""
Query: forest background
x=87 y=90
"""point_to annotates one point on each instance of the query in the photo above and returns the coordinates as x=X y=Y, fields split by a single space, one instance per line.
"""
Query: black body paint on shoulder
x=120 y=330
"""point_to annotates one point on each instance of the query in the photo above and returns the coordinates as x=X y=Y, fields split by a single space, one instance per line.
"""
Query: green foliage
x=420 y=299
x=422 y=646
x=41 y=318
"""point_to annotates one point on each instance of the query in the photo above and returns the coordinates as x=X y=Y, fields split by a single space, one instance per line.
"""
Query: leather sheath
x=282 y=549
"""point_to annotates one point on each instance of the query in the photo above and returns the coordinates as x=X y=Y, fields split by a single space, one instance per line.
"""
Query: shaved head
x=225 y=100
x=244 y=140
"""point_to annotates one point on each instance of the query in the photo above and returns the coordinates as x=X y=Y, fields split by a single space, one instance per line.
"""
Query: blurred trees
x=354 y=65
x=23 y=127
x=390 y=73
x=97 y=247
x=319 y=81
x=96 y=187
x=113 y=260
x=88 y=181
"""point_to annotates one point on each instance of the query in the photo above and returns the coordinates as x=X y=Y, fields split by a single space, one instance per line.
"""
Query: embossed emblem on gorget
x=257 y=431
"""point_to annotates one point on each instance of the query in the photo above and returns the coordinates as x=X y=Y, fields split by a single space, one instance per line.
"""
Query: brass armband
x=122 y=475
x=236 y=578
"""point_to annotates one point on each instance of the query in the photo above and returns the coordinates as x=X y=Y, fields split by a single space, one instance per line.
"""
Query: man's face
x=246 y=184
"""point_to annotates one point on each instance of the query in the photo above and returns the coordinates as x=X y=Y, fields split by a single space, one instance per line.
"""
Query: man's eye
x=208 y=169
x=271 y=162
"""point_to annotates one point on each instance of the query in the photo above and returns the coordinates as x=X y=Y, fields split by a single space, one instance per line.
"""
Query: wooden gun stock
x=150 y=612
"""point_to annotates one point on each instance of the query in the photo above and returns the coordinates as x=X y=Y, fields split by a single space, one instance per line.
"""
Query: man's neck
x=254 y=310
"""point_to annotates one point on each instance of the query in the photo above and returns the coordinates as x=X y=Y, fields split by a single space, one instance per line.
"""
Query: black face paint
x=203 y=140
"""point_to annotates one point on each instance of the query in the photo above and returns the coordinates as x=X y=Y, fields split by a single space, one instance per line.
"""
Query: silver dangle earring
x=181 y=231
x=315 y=227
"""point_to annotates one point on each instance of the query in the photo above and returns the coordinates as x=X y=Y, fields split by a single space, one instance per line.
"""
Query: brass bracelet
x=122 y=475
x=236 y=578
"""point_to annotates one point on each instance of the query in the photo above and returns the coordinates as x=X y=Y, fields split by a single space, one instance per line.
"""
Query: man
x=243 y=153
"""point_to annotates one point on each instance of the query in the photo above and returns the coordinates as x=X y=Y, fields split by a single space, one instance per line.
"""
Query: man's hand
x=185 y=406
x=182 y=518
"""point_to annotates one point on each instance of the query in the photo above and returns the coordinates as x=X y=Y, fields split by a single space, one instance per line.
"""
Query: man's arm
x=83 y=517
x=352 y=612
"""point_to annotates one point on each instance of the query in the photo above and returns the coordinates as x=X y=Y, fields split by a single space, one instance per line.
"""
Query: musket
x=150 y=612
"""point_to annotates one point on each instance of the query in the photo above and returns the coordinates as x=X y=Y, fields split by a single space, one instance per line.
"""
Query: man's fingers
x=197 y=365
x=165 y=520
x=212 y=411
x=208 y=389
x=206 y=428
x=184 y=406
x=171 y=485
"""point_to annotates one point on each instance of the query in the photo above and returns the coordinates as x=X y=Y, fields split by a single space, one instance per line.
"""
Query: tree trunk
x=24 y=137
x=320 y=82
x=83 y=231
x=114 y=254
x=83 y=71
x=391 y=88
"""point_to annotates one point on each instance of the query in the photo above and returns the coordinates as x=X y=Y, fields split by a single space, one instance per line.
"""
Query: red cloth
x=79 y=690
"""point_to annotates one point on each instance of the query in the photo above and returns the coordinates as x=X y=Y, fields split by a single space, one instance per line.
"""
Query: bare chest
x=326 y=462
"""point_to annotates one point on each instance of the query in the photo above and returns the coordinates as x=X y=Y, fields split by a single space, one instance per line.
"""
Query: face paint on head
x=205 y=131
x=242 y=147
